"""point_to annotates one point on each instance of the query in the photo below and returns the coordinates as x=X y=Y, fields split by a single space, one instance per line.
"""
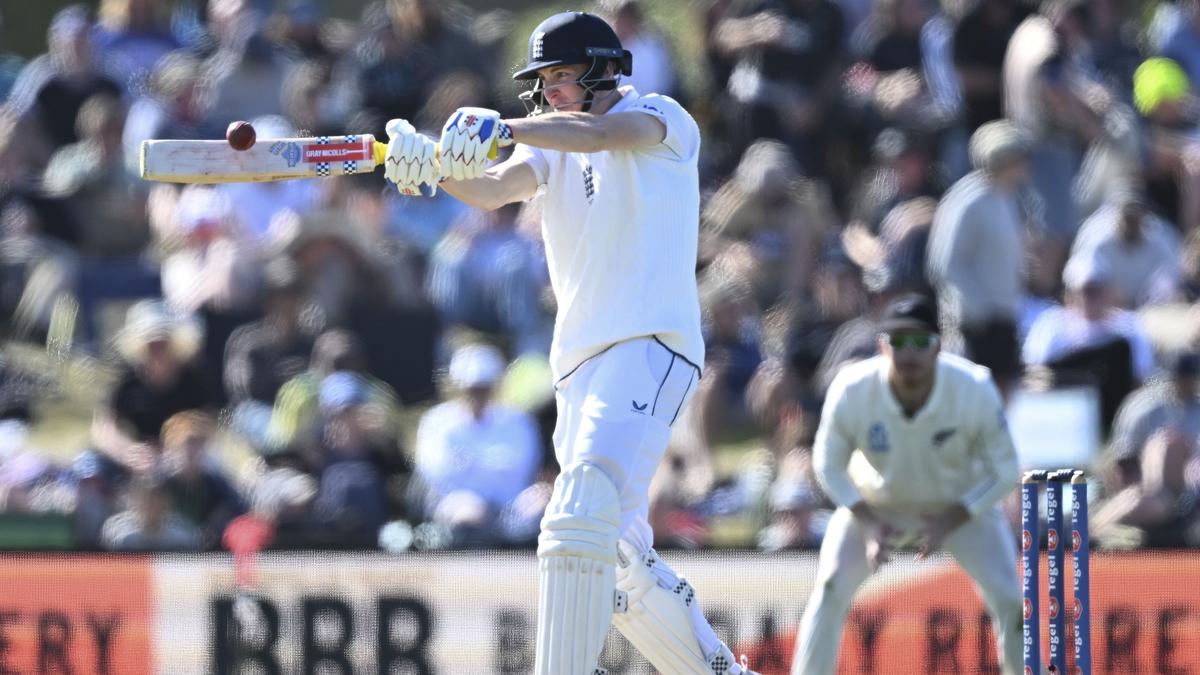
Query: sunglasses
x=918 y=341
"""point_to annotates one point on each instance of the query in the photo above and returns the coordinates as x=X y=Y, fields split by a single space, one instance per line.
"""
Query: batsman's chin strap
x=535 y=99
x=589 y=90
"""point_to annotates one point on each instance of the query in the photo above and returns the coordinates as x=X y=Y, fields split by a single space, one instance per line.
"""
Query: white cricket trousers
x=615 y=411
x=983 y=546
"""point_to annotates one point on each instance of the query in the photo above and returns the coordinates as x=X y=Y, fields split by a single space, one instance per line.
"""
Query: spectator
x=212 y=270
x=314 y=100
x=1157 y=473
x=858 y=337
x=1112 y=25
x=908 y=45
x=261 y=356
x=732 y=354
x=208 y=265
x=53 y=87
x=337 y=259
x=1162 y=94
x=131 y=37
x=1141 y=250
x=254 y=207
x=975 y=252
x=246 y=77
x=1182 y=44
x=351 y=500
x=107 y=209
x=1052 y=95
x=10 y=68
x=227 y=25
x=150 y=523
x=904 y=169
x=157 y=379
x=475 y=457
x=837 y=297
x=656 y=69
x=36 y=263
x=304 y=32
x=774 y=216
x=1089 y=318
x=97 y=481
x=170 y=106
x=980 y=41
x=1189 y=265
x=795 y=501
x=1166 y=404
x=786 y=56
x=406 y=55
x=107 y=203
x=295 y=421
x=200 y=491
x=29 y=483
x=487 y=276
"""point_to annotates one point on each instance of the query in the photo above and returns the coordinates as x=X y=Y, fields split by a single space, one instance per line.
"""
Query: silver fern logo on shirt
x=877 y=439
x=942 y=436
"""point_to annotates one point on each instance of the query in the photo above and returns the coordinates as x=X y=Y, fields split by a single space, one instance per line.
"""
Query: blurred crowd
x=382 y=360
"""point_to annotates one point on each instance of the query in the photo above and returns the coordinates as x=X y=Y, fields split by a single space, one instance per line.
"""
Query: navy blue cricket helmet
x=571 y=38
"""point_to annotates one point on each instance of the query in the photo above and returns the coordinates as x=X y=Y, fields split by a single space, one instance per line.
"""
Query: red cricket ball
x=240 y=135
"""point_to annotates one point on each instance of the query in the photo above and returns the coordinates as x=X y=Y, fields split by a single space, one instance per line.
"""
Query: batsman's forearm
x=562 y=131
x=483 y=193
x=510 y=181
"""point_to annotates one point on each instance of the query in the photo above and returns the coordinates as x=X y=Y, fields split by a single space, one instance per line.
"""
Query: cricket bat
x=270 y=159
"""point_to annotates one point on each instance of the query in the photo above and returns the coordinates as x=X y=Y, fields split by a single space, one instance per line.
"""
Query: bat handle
x=380 y=152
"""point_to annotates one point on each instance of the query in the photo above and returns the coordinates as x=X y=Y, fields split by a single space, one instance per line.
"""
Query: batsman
x=618 y=175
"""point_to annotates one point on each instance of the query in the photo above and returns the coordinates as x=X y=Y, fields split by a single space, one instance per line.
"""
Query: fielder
x=914 y=449
x=620 y=222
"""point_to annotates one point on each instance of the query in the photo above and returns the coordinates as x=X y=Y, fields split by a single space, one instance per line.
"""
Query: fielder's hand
x=938 y=526
x=412 y=159
x=469 y=139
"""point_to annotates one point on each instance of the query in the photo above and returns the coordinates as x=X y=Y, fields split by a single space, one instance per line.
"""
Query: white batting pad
x=657 y=612
x=577 y=553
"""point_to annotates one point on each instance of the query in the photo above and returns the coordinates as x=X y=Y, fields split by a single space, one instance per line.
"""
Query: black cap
x=1185 y=364
x=570 y=38
x=911 y=311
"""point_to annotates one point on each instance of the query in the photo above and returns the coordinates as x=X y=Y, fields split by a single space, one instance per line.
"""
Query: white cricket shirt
x=955 y=449
x=620 y=229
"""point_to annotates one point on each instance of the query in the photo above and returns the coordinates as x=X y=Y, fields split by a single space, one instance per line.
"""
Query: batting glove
x=411 y=159
x=469 y=139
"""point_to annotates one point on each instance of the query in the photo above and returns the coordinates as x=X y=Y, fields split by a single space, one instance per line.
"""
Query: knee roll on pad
x=584 y=516
x=577 y=553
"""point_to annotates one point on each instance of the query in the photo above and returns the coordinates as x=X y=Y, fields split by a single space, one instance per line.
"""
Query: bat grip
x=380 y=152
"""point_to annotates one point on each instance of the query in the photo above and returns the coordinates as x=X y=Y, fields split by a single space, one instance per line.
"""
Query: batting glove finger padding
x=469 y=140
x=412 y=159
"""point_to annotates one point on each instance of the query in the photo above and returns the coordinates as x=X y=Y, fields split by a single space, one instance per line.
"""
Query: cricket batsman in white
x=618 y=173
x=914 y=450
